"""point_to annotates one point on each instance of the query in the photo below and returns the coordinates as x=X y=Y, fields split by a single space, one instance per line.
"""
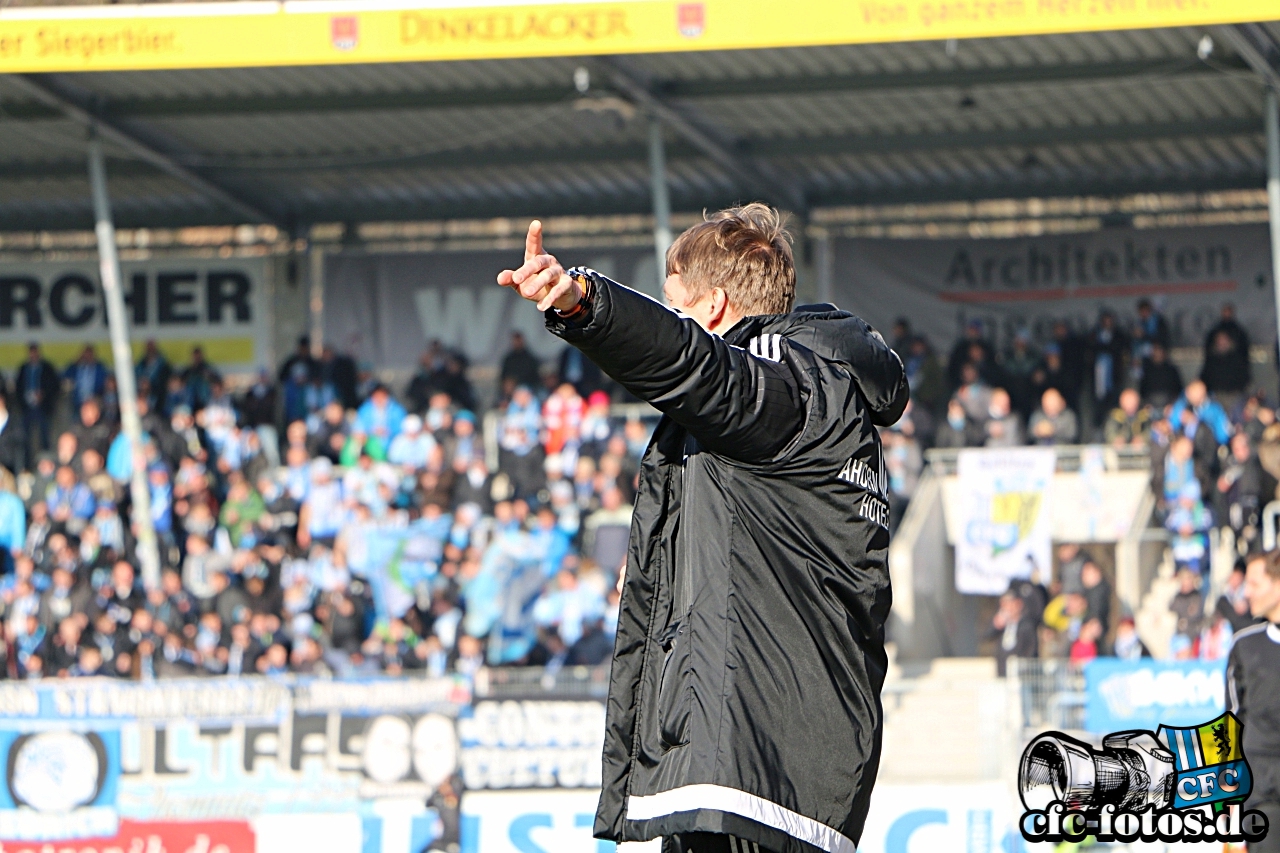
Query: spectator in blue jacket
x=412 y=448
x=70 y=501
x=550 y=544
x=13 y=522
x=1189 y=522
x=380 y=416
x=87 y=376
x=1208 y=412
x=568 y=607
x=1179 y=468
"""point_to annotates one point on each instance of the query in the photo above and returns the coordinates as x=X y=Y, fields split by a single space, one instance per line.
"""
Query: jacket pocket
x=673 y=687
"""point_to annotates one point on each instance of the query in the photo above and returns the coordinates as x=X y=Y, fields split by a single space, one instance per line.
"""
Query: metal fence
x=1052 y=693
x=1071 y=458
x=528 y=682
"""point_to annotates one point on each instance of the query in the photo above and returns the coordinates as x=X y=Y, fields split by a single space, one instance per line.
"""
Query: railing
x=493 y=418
x=1070 y=458
x=579 y=682
x=1269 y=515
x=1052 y=691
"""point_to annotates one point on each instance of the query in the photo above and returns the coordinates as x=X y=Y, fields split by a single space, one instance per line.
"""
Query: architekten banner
x=1009 y=283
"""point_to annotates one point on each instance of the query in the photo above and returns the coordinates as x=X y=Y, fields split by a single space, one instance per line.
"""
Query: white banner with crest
x=1006 y=527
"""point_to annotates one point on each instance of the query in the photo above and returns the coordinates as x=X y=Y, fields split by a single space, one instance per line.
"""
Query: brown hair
x=1270 y=559
x=744 y=250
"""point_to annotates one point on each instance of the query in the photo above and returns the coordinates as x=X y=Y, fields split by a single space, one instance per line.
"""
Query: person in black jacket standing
x=1253 y=691
x=36 y=388
x=1161 y=383
x=744 y=702
x=1014 y=633
x=1226 y=367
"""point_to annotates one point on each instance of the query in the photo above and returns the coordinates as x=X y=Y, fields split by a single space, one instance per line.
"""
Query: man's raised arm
x=734 y=403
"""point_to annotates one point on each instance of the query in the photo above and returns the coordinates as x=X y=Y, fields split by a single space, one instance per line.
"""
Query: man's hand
x=541 y=279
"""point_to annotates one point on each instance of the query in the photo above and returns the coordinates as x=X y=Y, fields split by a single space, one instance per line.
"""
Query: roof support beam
x=29 y=218
x=1052 y=188
x=955 y=79
x=640 y=203
x=585 y=155
x=1258 y=48
x=1021 y=137
x=50 y=96
x=670 y=90
x=686 y=122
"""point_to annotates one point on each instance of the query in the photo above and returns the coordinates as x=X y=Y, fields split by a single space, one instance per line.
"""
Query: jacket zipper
x=636 y=730
x=683 y=593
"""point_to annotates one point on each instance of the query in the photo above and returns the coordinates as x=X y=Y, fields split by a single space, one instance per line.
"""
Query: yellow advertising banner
x=322 y=32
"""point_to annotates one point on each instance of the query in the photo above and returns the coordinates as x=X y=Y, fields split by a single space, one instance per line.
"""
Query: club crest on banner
x=344 y=32
x=1004 y=523
x=691 y=19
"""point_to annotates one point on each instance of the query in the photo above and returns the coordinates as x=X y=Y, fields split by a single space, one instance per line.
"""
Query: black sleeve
x=880 y=376
x=734 y=403
x=1235 y=685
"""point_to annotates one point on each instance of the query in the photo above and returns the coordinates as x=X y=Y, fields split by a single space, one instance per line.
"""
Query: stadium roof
x=1103 y=113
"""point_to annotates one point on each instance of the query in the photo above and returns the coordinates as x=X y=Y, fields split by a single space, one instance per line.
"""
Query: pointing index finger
x=533 y=242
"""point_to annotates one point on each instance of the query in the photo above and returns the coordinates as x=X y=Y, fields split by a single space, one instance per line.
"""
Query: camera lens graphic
x=1132 y=770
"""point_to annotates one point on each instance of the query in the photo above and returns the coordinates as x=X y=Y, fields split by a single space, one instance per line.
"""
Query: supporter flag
x=398 y=562
x=1210 y=762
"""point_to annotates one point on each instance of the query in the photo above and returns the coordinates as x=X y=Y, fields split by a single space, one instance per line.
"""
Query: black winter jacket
x=745 y=690
x=1253 y=693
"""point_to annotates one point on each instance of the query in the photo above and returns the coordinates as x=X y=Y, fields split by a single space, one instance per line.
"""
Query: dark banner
x=385 y=309
x=1030 y=282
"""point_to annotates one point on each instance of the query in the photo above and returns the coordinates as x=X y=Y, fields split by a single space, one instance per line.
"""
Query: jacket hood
x=840 y=336
x=822 y=328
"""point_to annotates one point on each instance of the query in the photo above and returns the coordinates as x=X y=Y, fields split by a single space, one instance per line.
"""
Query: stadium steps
x=960 y=696
x=1154 y=621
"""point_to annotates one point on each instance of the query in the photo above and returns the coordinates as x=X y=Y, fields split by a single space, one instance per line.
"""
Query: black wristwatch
x=580 y=310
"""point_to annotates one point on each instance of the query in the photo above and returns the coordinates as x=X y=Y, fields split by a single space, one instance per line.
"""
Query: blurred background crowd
x=274 y=507
x=1214 y=449
x=318 y=521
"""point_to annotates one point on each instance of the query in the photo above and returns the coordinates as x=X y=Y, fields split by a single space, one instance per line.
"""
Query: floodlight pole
x=661 y=197
x=122 y=355
x=1273 y=191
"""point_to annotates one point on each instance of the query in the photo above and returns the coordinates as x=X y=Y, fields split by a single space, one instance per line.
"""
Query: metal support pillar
x=122 y=355
x=1273 y=191
x=661 y=198
x=315 y=277
x=826 y=269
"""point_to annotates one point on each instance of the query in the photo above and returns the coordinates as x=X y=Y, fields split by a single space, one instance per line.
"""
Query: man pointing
x=744 y=704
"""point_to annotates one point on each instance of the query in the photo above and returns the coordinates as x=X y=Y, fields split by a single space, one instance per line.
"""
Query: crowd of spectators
x=1214 y=447
x=272 y=505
